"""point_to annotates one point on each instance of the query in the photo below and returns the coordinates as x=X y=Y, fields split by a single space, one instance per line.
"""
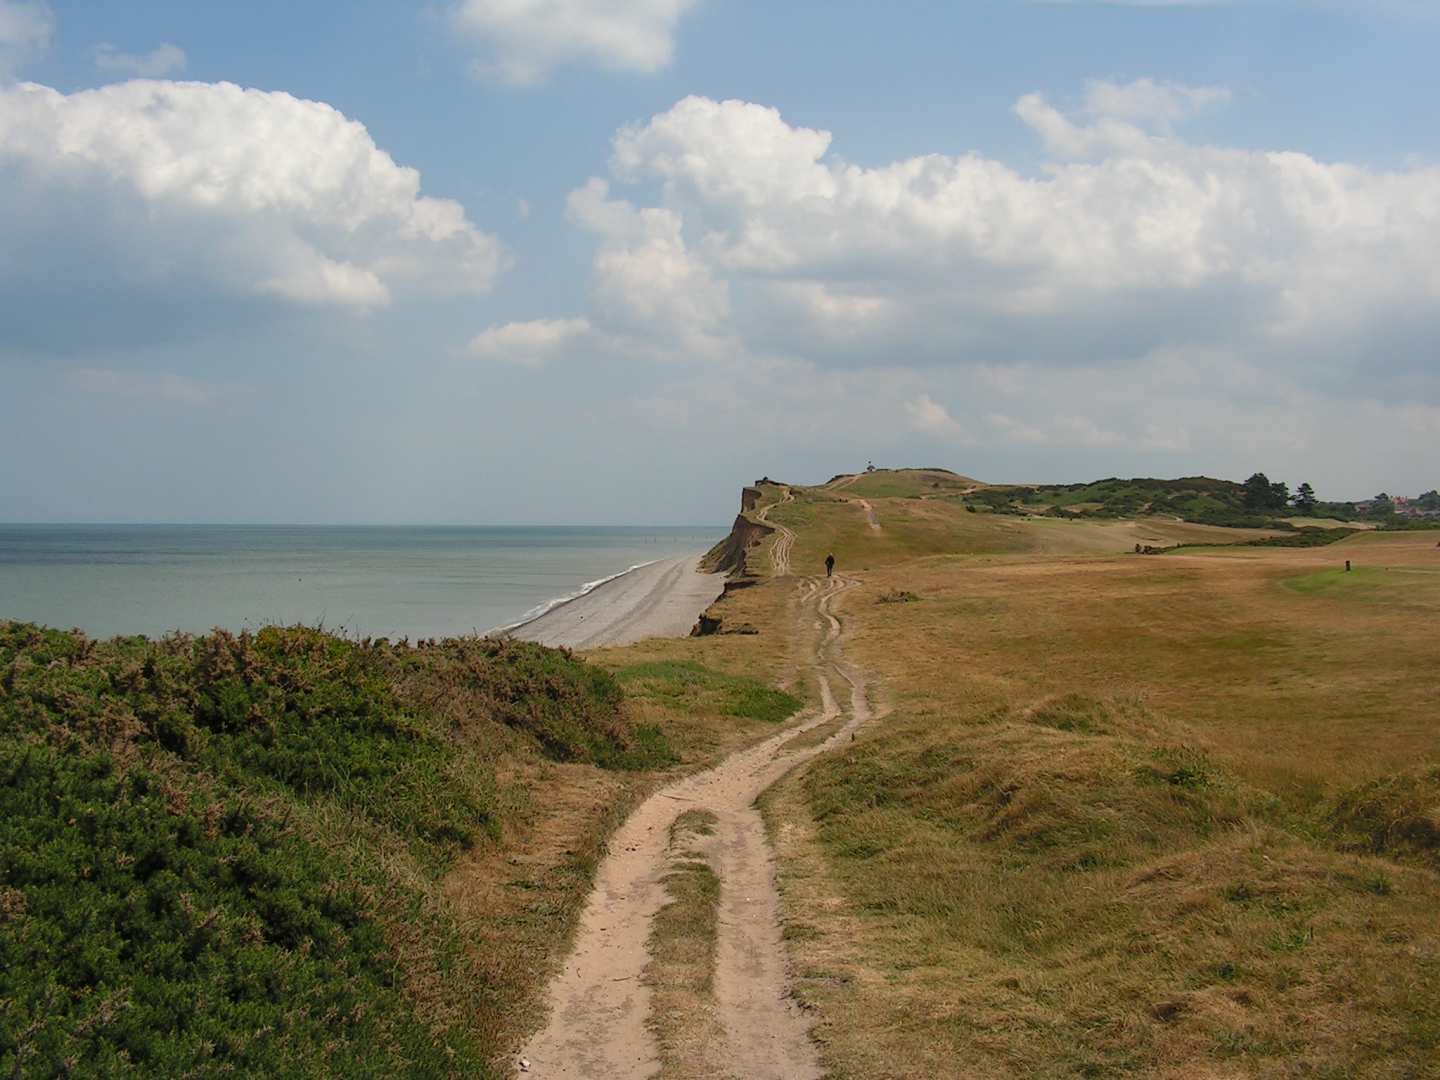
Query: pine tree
x=1257 y=491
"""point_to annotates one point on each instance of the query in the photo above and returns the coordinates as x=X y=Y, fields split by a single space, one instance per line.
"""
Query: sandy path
x=784 y=540
x=598 y=1005
x=663 y=599
x=870 y=518
x=845 y=482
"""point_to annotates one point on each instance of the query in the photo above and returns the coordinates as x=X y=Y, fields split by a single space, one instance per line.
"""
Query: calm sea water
x=392 y=582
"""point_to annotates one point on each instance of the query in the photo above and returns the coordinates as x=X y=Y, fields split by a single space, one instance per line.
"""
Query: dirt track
x=598 y=1005
x=784 y=539
x=870 y=518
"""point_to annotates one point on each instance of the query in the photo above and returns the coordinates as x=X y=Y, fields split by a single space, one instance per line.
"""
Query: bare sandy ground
x=664 y=599
x=599 y=1004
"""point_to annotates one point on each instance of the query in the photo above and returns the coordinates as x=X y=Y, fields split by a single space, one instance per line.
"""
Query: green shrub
x=156 y=927
x=190 y=835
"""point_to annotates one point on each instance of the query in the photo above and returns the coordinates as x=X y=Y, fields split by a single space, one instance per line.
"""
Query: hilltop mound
x=902 y=483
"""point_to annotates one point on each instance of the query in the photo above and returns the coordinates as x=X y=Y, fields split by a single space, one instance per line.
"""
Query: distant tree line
x=1258 y=503
x=1263 y=494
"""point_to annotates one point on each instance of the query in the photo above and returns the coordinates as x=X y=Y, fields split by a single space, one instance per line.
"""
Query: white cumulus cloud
x=1150 y=100
x=25 y=29
x=930 y=417
x=523 y=42
x=164 y=198
x=1128 y=241
x=648 y=281
x=530 y=344
x=164 y=59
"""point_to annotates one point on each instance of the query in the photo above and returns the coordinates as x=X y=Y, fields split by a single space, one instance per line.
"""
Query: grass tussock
x=680 y=974
x=1397 y=814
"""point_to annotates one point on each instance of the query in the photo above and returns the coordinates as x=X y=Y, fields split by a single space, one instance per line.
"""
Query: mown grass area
x=287 y=853
x=1130 y=816
x=1410 y=587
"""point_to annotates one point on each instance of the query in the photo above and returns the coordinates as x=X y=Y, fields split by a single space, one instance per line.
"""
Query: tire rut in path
x=784 y=540
x=598 y=1004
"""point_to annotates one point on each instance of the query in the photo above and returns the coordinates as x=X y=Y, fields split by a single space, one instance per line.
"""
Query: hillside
x=885 y=515
x=287 y=853
x=1198 y=499
x=878 y=518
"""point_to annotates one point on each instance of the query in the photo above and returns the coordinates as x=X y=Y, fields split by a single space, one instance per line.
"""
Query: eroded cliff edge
x=731 y=557
x=748 y=531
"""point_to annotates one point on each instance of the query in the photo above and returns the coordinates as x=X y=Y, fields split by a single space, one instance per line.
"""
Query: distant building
x=1404 y=506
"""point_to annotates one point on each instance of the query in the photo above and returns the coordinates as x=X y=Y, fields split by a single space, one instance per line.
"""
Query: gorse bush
x=188 y=828
x=142 y=932
x=572 y=710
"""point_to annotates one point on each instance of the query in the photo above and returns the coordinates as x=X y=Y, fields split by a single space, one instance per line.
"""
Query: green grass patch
x=1402 y=586
x=687 y=685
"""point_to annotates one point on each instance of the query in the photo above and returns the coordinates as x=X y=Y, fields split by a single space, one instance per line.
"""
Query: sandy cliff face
x=728 y=556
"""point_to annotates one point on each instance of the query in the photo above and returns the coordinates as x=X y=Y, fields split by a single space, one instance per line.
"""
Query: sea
x=362 y=581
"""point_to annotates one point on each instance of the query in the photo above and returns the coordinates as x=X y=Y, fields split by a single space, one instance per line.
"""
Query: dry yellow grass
x=1159 y=816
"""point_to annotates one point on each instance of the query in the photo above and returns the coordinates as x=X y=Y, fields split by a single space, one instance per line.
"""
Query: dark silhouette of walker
x=829 y=565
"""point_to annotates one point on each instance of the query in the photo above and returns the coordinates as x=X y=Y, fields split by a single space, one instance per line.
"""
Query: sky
x=588 y=262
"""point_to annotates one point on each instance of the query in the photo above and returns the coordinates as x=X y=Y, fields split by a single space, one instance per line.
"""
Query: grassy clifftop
x=1127 y=816
x=284 y=853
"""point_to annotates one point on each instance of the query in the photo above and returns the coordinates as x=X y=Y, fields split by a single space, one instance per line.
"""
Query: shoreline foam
x=539 y=611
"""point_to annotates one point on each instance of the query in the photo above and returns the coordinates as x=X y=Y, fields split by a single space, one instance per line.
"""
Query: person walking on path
x=829 y=565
